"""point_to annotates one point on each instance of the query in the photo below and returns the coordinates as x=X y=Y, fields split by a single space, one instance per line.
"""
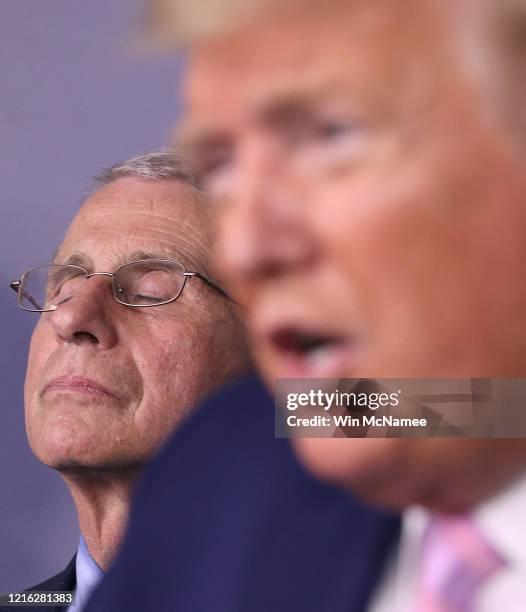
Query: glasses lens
x=48 y=286
x=148 y=283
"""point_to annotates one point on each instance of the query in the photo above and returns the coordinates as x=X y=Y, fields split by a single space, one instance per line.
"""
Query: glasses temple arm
x=211 y=283
x=15 y=286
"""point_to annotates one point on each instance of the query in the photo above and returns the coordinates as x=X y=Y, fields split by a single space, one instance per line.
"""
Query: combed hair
x=172 y=23
x=158 y=165
x=177 y=22
x=500 y=52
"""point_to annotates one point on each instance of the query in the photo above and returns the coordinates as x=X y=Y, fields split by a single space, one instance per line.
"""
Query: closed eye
x=139 y=297
x=334 y=130
x=330 y=144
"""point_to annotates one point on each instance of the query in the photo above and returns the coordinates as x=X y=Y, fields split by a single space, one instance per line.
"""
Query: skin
x=365 y=188
x=156 y=363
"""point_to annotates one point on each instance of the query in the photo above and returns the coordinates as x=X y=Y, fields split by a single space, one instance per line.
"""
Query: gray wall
x=71 y=102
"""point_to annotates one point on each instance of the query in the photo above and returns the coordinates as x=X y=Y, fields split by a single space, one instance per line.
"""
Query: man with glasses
x=132 y=332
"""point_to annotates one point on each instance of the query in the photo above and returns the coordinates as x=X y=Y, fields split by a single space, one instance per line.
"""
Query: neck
x=102 y=499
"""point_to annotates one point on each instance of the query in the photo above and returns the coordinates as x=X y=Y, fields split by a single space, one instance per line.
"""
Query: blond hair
x=491 y=32
x=176 y=22
x=171 y=23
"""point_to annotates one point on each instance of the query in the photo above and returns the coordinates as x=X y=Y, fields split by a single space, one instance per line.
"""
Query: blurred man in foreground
x=367 y=164
x=356 y=226
x=132 y=334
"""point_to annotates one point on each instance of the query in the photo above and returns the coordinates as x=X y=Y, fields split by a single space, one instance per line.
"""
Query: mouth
x=302 y=353
x=77 y=385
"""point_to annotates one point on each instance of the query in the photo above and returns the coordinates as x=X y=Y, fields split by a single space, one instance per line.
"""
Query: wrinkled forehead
x=129 y=216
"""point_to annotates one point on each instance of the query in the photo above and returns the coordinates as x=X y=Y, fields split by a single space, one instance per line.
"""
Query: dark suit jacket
x=226 y=520
x=66 y=580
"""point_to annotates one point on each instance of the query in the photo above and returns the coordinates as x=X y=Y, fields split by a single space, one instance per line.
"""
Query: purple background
x=73 y=101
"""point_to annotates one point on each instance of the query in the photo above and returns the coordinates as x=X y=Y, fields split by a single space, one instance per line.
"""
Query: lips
x=301 y=352
x=78 y=385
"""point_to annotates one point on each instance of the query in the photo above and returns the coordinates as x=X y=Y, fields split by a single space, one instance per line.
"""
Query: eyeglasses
x=142 y=283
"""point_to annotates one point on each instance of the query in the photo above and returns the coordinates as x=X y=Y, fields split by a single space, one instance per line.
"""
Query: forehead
x=164 y=218
x=363 y=47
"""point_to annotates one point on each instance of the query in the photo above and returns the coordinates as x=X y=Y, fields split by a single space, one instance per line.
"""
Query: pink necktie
x=455 y=561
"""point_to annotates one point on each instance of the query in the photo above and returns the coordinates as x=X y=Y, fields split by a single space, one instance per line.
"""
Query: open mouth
x=312 y=354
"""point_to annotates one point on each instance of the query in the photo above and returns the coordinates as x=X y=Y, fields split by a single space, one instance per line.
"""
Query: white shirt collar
x=500 y=520
x=494 y=518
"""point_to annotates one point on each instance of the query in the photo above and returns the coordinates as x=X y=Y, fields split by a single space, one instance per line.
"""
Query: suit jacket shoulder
x=66 y=580
x=227 y=520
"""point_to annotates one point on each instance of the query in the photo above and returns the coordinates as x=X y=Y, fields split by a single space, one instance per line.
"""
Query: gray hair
x=164 y=164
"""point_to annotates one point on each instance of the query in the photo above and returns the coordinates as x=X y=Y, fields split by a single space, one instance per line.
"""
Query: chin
x=61 y=458
x=383 y=472
x=68 y=461
x=347 y=460
x=59 y=449
x=79 y=466
x=442 y=474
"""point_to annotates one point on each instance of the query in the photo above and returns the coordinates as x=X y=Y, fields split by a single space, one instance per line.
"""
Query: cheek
x=393 y=237
x=171 y=389
x=362 y=464
x=173 y=369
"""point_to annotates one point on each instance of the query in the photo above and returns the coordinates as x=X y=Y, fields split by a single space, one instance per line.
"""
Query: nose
x=262 y=228
x=88 y=316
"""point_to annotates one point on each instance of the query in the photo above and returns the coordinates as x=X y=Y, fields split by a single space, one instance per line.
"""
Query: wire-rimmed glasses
x=138 y=284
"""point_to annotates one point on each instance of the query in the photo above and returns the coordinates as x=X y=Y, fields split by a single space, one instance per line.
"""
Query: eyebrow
x=192 y=138
x=145 y=255
x=82 y=259
x=76 y=259
x=56 y=255
x=266 y=105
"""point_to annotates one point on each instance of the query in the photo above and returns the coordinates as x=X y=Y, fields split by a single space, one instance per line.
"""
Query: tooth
x=321 y=358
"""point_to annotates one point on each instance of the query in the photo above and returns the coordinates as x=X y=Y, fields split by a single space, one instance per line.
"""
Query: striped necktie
x=456 y=561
